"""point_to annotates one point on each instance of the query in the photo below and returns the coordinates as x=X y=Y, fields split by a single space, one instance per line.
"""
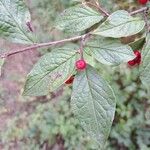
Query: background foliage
x=48 y=122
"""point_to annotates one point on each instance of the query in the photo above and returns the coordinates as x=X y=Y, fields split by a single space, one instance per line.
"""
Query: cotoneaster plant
x=98 y=35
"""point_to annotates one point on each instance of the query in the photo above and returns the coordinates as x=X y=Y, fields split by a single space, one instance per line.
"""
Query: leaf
x=110 y=51
x=93 y=102
x=89 y=59
x=137 y=44
x=51 y=71
x=77 y=19
x=120 y=24
x=145 y=66
x=13 y=18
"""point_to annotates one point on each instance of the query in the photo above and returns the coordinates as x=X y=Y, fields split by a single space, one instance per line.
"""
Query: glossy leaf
x=110 y=51
x=93 y=102
x=13 y=18
x=51 y=71
x=78 y=18
x=120 y=24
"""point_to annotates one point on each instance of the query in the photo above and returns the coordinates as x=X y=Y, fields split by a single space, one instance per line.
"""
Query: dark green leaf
x=138 y=44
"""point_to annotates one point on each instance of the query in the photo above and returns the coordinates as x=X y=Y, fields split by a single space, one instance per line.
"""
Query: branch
x=99 y=8
x=103 y=10
x=146 y=21
x=82 y=43
x=139 y=11
x=48 y=44
x=41 y=45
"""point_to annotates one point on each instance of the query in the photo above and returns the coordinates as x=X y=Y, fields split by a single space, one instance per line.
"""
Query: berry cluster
x=136 y=60
x=143 y=2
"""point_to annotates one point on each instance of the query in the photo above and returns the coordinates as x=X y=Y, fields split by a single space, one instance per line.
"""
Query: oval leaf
x=93 y=102
x=78 y=18
x=110 y=51
x=13 y=18
x=120 y=24
x=50 y=72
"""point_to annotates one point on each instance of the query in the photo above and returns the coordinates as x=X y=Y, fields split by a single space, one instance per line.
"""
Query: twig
x=139 y=11
x=41 y=45
x=99 y=8
x=146 y=21
x=82 y=46
x=103 y=10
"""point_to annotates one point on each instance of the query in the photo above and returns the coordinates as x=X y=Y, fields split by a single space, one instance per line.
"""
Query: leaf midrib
x=82 y=17
x=92 y=101
x=119 y=25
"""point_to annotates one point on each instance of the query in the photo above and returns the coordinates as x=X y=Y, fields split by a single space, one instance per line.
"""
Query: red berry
x=70 y=80
x=132 y=63
x=137 y=53
x=81 y=64
x=143 y=2
x=136 y=60
x=138 y=57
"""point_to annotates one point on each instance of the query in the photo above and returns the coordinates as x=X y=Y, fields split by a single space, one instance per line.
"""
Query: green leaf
x=13 y=18
x=145 y=66
x=77 y=19
x=120 y=24
x=110 y=51
x=51 y=71
x=137 y=44
x=89 y=59
x=94 y=103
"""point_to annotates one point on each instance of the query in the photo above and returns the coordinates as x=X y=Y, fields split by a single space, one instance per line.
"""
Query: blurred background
x=47 y=123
